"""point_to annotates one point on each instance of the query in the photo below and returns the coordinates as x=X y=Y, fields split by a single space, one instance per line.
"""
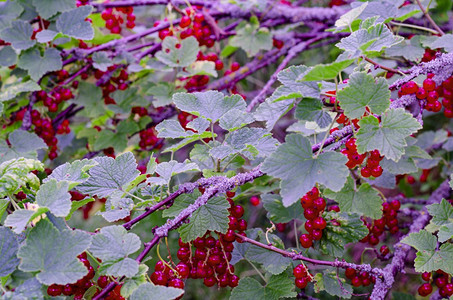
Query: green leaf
x=441 y=213
x=335 y=237
x=445 y=41
x=131 y=284
x=75 y=172
x=364 y=201
x=172 y=129
x=421 y=241
x=13 y=90
x=19 y=35
x=162 y=93
x=445 y=232
x=8 y=56
x=150 y=291
x=110 y=175
x=8 y=250
x=270 y=111
x=388 y=136
x=113 y=245
x=125 y=100
x=75 y=205
x=368 y=41
x=310 y=109
x=73 y=24
x=15 y=173
x=293 y=162
x=409 y=49
x=9 y=11
x=101 y=61
x=278 y=213
x=327 y=71
x=347 y=19
x=23 y=144
x=251 y=38
x=199 y=124
x=211 y=105
x=202 y=67
x=290 y=78
x=169 y=169
x=364 y=91
x=407 y=162
x=45 y=36
x=37 y=65
x=279 y=286
x=117 y=208
x=88 y=92
x=235 y=119
x=213 y=216
x=49 y=8
x=55 y=196
x=116 y=139
x=53 y=253
x=176 y=53
x=4 y=203
x=19 y=219
x=272 y=262
x=29 y=289
x=328 y=281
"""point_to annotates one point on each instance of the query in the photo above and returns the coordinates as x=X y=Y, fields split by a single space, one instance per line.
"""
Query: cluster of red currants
x=192 y=24
x=442 y=281
x=59 y=94
x=148 y=138
x=114 y=18
x=359 y=279
x=313 y=206
x=303 y=277
x=372 y=167
x=114 y=83
x=388 y=222
x=79 y=288
x=44 y=129
x=209 y=257
x=430 y=94
x=198 y=82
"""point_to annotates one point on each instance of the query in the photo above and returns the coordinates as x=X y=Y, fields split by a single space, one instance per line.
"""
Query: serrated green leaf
x=270 y=111
x=49 y=8
x=44 y=244
x=13 y=90
x=445 y=41
x=162 y=93
x=251 y=38
x=409 y=49
x=235 y=119
x=364 y=201
x=15 y=173
x=293 y=162
x=169 y=169
x=172 y=129
x=75 y=172
x=176 y=53
x=55 y=196
x=101 y=61
x=278 y=213
x=198 y=124
x=328 y=281
x=131 y=284
x=117 y=208
x=445 y=232
x=37 y=65
x=347 y=19
x=150 y=291
x=201 y=67
x=113 y=244
x=8 y=56
x=327 y=71
x=388 y=136
x=125 y=100
x=364 y=91
x=110 y=175
x=290 y=77
x=279 y=286
x=90 y=96
x=369 y=40
x=211 y=105
x=213 y=216
x=19 y=219
x=73 y=24
x=334 y=238
x=8 y=250
x=9 y=11
x=428 y=261
x=75 y=205
x=22 y=144
x=442 y=213
x=45 y=36
x=310 y=109
x=421 y=241
x=29 y=289
x=19 y=35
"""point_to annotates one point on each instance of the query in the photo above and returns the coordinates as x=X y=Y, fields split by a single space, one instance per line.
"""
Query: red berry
x=255 y=200
x=350 y=273
x=310 y=214
x=426 y=276
x=210 y=281
x=306 y=241
x=237 y=211
x=302 y=282
x=176 y=283
x=235 y=66
x=384 y=250
x=425 y=289
x=395 y=204
x=299 y=271
x=319 y=223
x=218 y=65
x=159 y=278
x=441 y=281
x=185 y=22
x=356 y=281
x=230 y=194
x=429 y=84
x=54 y=290
x=233 y=281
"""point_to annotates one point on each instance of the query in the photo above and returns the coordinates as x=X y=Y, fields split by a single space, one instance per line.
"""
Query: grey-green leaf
x=49 y=8
x=150 y=291
x=37 y=65
x=176 y=53
x=310 y=109
x=19 y=35
x=55 y=196
x=293 y=162
x=73 y=23
x=8 y=251
x=44 y=244
x=8 y=56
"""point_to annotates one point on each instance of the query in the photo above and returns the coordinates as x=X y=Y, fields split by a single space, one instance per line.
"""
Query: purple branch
x=293 y=52
x=382 y=287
